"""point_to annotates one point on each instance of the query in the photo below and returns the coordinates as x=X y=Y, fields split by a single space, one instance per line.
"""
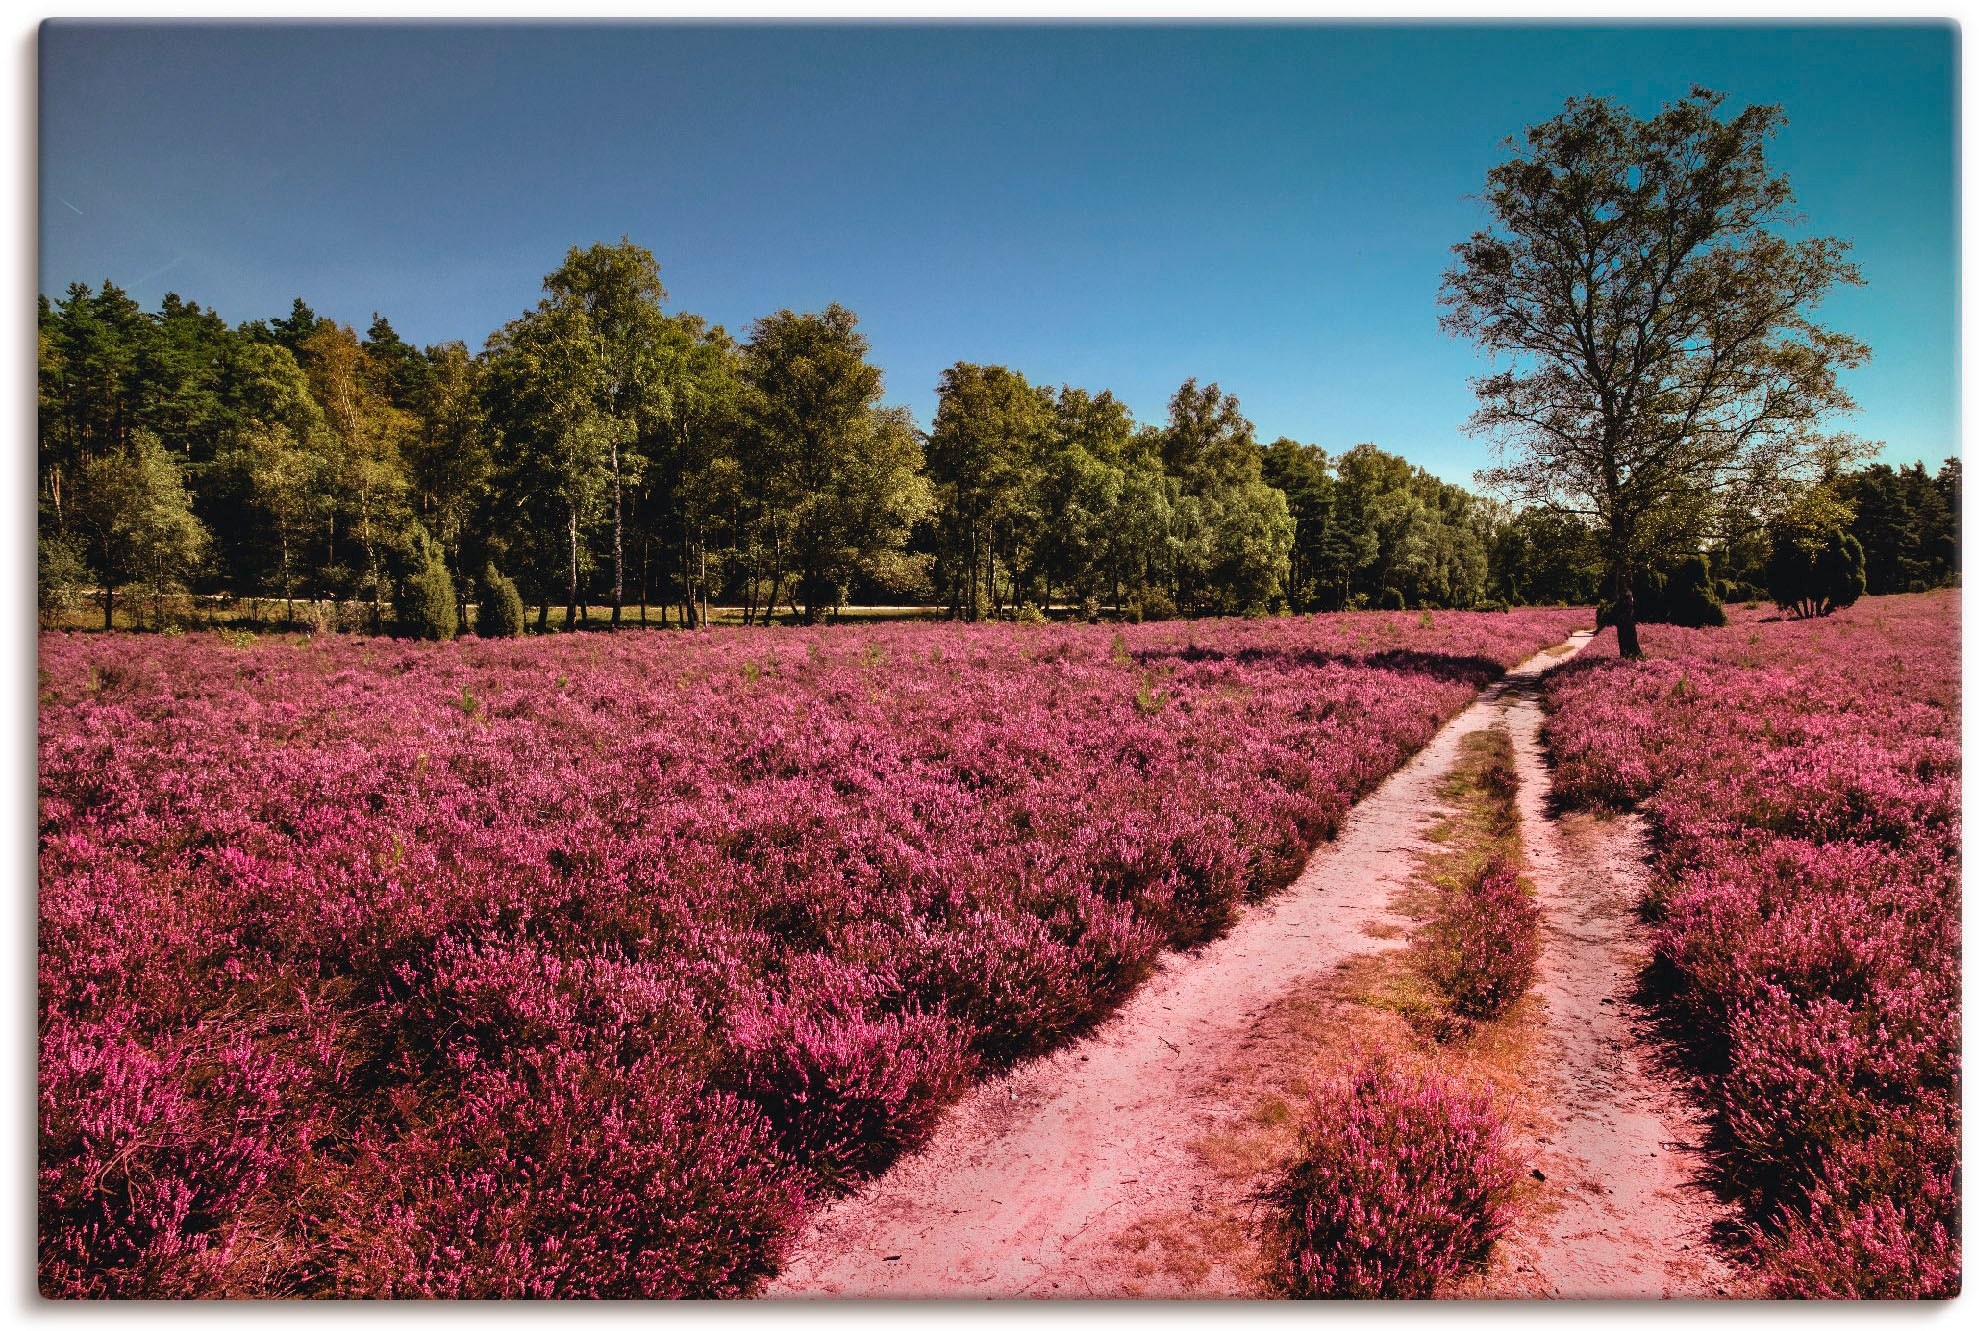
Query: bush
x=1483 y=946
x=1401 y=1181
x=846 y=1092
x=426 y=606
x=500 y=612
x=1809 y=575
x=1689 y=599
x=1683 y=594
x=61 y=577
x=1149 y=603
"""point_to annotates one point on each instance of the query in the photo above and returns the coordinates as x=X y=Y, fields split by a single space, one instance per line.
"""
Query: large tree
x=368 y=435
x=1653 y=320
x=989 y=427
x=135 y=518
x=611 y=294
x=844 y=474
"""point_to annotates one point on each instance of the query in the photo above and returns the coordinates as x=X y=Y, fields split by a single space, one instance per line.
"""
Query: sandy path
x=1031 y=1174
x=1620 y=1214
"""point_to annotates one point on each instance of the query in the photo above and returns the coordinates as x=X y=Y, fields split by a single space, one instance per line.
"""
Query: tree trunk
x=1626 y=643
x=618 y=540
x=570 y=602
x=109 y=608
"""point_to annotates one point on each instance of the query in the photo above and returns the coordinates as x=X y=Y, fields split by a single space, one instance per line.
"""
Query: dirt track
x=1622 y=1215
x=1032 y=1178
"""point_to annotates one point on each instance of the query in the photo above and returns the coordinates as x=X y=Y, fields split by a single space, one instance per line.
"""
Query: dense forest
x=606 y=459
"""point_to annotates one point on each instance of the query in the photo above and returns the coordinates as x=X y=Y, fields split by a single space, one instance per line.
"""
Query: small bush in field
x=1401 y=1181
x=426 y=606
x=1483 y=946
x=500 y=615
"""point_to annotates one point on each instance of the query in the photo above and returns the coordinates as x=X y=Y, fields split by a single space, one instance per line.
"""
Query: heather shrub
x=1401 y=1181
x=561 y=1178
x=845 y=1092
x=153 y=1162
x=500 y=612
x=1481 y=949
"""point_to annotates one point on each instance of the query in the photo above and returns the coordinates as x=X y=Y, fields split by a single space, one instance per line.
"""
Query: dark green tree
x=426 y=607
x=1816 y=566
x=843 y=477
x=990 y=427
x=499 y=614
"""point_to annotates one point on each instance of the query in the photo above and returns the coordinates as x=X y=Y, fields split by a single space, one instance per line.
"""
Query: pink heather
x=585 y=966
x=1802 y=780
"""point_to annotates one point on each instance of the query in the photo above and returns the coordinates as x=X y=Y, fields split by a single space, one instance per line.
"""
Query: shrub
x=845 y=1092
x=1401 y=1181
x=500 y=613
x=1149 y=603
x=61 y=577
x=426 y=606
x=1683 y=594
x=1815 y=565
x=1483 y=946
x=1689 y=598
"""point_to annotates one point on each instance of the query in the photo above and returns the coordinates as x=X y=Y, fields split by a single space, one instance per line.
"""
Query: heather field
x=1802 y=783
x=589 y=965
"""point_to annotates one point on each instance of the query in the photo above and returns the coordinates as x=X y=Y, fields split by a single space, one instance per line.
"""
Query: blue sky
x=1116 y=207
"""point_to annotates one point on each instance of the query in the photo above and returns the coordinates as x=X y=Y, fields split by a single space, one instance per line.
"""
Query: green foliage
x=842 y=476
x=426 y=605
x=134 y=519
x=500 y=612
x=1682 y=592
x=603 y=450
x=1689 y=598
x=1544 y=556
x=1816 y=565
x=61 y=577
x=1907 y=524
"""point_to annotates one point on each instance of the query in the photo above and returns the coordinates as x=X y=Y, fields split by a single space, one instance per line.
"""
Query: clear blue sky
x=1117 y=207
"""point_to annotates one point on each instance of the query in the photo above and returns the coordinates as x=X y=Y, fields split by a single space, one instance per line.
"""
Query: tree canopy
x=1654 y=321
x=601 y=448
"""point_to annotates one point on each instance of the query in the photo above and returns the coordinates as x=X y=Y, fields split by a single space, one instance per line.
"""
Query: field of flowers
x=584 y=966
x=1802 y=780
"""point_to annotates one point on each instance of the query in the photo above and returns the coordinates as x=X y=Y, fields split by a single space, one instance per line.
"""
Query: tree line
x=602 y=454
